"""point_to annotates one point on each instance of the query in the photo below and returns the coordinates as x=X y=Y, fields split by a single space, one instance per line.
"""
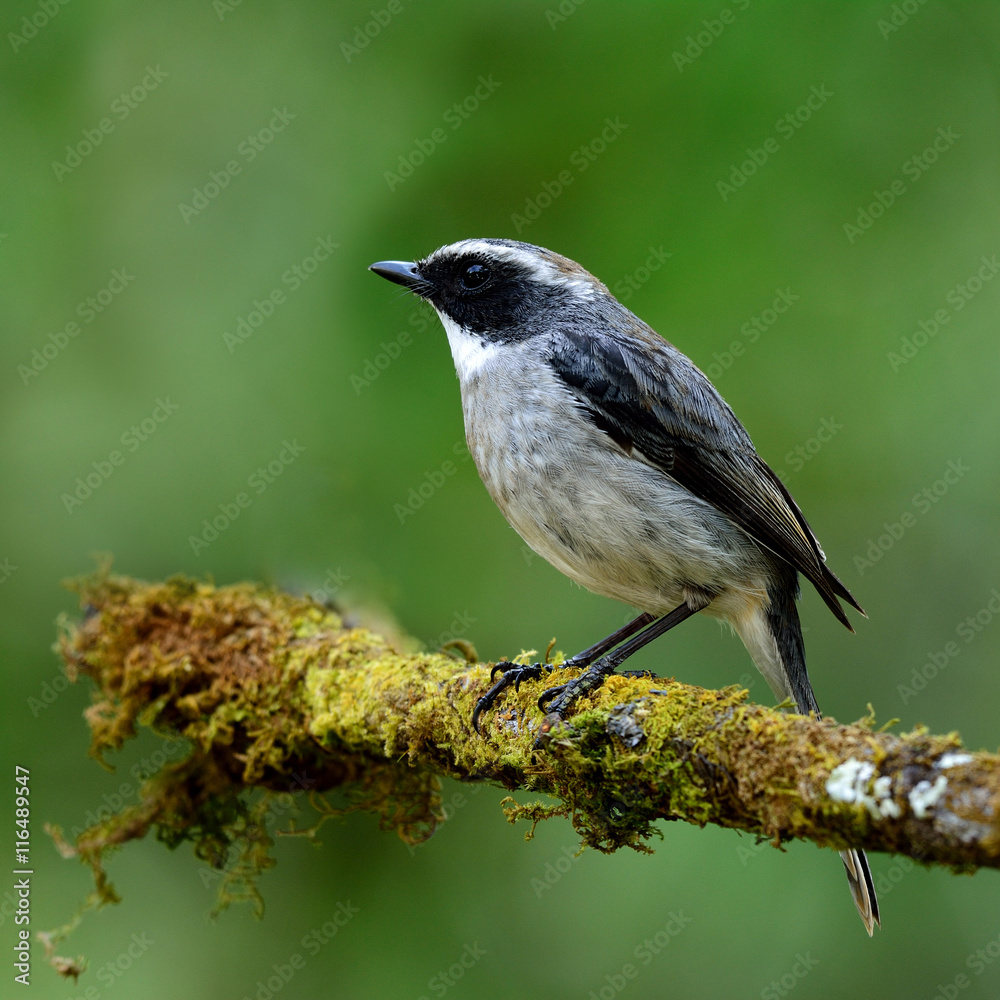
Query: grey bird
x=616 y=459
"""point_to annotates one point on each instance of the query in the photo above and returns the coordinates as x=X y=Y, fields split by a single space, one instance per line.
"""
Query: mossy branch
x=276 y=692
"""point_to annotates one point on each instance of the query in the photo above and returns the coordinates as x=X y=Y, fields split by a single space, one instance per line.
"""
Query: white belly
x=607 y=520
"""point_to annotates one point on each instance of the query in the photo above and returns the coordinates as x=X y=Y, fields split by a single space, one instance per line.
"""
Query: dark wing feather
x=671 y=413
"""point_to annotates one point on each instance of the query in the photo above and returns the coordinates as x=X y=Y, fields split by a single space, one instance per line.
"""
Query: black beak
x=402 y=272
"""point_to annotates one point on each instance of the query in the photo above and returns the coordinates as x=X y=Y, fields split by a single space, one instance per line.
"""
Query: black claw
x=501 y=666
x=564 y=695
x=549 y=694
x=511 y=673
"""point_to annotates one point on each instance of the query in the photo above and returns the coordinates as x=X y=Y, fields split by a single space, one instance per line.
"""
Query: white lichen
x=848 y=782
x=953 y=760
x=925 y=796
x=882 y=792
x=963 y=830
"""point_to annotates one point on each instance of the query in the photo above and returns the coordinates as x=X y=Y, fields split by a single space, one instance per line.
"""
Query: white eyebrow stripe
x=542 y=270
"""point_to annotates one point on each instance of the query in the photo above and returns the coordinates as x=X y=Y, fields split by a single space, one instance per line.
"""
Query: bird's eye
x=475 y=276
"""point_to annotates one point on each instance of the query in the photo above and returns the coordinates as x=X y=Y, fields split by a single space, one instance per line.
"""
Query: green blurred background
x=314 y=121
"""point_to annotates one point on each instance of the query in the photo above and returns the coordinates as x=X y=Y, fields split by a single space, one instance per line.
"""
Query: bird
x=615 y=458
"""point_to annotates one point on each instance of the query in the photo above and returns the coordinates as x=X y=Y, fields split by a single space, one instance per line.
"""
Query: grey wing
x=650 y=398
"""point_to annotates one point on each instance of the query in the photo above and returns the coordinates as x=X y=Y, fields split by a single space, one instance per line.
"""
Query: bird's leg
x=590 y=654
x=596 y=673
x=514 y=673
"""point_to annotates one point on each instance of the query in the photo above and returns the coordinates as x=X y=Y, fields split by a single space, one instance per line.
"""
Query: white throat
x=471 y=355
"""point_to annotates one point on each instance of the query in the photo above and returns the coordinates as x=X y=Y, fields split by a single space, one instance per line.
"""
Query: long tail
x=859 y=878
x=773 y=638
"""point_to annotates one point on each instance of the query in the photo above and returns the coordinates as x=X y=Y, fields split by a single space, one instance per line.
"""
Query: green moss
x=273 y=692
x=225 y=669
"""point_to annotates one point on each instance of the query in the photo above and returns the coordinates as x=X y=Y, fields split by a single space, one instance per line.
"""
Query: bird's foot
x=556 y=701
x=511 y=673
x=561 y=696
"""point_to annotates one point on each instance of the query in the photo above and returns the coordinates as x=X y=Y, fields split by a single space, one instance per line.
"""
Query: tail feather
x=859 y=878
x=832 y=589
x=840 y=589
x=783 y=624
x=829 y=585
x=779 y=652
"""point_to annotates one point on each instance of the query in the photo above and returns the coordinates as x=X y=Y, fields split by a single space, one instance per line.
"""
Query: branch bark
x=277 y=692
